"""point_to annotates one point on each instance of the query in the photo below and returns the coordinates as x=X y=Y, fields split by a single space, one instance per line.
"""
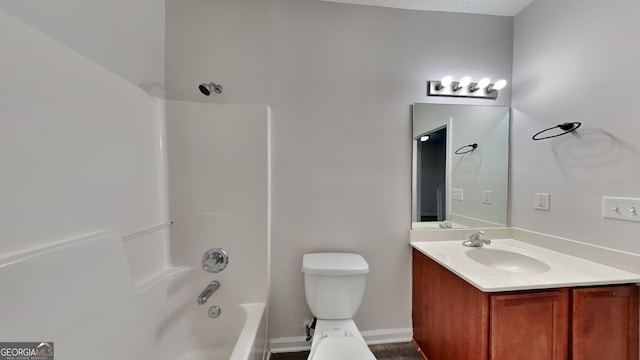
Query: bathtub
x=233 y=335
x=184 y=330
x=76 y=306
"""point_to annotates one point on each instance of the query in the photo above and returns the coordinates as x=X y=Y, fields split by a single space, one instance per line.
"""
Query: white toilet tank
x=334 y=284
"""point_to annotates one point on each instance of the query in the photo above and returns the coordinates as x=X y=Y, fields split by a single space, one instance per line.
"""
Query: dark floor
x=395 y=351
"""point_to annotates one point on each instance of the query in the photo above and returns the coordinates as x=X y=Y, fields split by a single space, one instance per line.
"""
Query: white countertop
x=564 y=270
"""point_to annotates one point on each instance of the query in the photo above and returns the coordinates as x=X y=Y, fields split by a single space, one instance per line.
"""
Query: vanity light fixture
x=482 y=89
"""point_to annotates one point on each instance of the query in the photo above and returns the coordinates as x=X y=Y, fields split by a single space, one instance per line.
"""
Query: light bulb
x=446 y=81
x=500 y=84
x=462 y=83
x=465 y=81
x=483 y=83
x=424 y=138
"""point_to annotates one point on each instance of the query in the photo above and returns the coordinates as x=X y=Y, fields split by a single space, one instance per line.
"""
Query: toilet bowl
x=334 y=288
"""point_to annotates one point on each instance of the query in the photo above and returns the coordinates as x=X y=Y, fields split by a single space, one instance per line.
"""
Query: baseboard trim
x=289 y=344
x=387 y=336
x=372 y=337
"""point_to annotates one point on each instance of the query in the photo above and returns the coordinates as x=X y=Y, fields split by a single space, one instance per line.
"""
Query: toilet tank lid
x=334 y=264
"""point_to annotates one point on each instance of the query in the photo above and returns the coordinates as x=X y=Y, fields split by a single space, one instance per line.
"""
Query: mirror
x=460 y=166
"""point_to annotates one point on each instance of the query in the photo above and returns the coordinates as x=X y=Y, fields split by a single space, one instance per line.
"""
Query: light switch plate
x=620 y=208
x=456 y=194
x=486 y=197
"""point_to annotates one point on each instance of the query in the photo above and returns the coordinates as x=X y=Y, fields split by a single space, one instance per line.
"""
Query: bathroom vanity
x=513 y=300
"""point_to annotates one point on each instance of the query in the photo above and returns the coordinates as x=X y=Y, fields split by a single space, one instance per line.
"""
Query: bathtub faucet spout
x=207 y=292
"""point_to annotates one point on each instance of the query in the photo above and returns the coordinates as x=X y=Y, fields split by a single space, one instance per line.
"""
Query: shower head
x=206 y=88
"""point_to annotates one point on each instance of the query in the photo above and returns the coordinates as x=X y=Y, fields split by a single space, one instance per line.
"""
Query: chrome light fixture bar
x=482 y=89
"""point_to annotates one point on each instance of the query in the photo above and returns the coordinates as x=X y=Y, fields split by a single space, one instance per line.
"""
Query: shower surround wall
x=80 y=150
x=219 y=160
x=81 y=154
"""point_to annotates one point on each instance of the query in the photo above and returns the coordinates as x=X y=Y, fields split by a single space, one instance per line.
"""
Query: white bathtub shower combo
x=88 y=260
x=103 y=296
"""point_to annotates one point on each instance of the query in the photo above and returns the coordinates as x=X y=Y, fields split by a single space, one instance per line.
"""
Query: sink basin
x=508 y=261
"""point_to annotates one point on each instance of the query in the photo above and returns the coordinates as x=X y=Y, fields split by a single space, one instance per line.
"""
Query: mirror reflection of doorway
x=432 y=175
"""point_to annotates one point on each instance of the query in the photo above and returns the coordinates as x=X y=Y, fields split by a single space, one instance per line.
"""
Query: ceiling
x=488 y=7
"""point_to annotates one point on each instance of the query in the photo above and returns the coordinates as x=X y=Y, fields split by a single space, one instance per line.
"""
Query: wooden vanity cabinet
x=453 y=320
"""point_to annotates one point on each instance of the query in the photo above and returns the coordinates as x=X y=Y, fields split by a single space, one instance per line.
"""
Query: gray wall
x=340 y=80
x=224 y=41
x=577 y=60
x=126 y=37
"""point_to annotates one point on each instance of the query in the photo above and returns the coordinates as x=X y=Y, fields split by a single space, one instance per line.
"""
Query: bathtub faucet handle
x=215 y=260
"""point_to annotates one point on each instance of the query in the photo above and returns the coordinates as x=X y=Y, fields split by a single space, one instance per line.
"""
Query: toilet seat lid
x=334 y=264
x=342 y=348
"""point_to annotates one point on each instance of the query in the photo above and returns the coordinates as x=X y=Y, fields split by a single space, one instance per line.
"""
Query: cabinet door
x=450 y=317
x=530 y=326
x=605 y=323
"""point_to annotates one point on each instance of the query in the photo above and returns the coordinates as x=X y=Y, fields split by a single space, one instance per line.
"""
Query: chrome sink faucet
x=475 y=240
x=207 y=292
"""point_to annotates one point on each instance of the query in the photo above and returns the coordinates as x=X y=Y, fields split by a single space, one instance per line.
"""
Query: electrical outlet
x=486 y=197
x=541 y=202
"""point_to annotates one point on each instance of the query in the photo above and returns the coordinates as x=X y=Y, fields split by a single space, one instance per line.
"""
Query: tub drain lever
x=214 y=311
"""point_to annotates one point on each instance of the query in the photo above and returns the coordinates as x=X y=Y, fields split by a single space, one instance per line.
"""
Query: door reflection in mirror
x=431 y=176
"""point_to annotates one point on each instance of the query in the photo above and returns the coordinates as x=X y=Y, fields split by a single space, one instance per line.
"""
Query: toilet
x=334 y=286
